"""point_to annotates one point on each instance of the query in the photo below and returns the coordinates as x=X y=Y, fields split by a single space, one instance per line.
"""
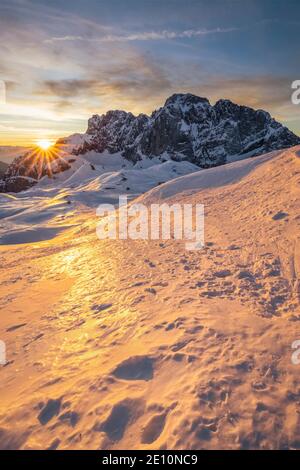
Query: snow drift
x=135 y=344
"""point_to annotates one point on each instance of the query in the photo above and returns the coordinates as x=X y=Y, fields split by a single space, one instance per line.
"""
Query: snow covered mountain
x=189 y=128
x=186 y=128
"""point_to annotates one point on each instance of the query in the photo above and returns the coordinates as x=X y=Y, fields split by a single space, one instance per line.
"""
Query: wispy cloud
x=65 y=88
x=145 y=36
x=131 y=82
x=64 y=63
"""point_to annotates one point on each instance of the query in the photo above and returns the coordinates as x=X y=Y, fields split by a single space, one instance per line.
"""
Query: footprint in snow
x=99 y=308
x=50 y=410
x=117 y=422
x=121 y=416
x=151 y=290
x=280 y=215
x=222 y=273
x=153 y=428
x=135 y=368
x=70 y=417
x=15 y=327
x=54 y=445
x=245 y=275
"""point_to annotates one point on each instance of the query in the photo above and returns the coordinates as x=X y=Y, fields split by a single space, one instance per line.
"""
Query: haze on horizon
x=63 y=63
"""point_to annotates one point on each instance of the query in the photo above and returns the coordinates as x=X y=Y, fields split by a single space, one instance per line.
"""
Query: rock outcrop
x=187 y=128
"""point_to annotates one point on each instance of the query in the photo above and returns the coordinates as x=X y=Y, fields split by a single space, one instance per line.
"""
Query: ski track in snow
x=141 y=345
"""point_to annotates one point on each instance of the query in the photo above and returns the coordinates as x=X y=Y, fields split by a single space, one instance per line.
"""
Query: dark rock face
x=16 y=184
x=3 y=168
x=114 y=131
x=189 y=128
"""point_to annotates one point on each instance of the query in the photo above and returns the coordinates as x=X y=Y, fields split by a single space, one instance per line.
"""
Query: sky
x=62 y=62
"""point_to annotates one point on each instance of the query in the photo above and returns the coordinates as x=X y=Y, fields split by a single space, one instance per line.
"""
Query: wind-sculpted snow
x=136 y=344
x=208 y=179
x=46 y=209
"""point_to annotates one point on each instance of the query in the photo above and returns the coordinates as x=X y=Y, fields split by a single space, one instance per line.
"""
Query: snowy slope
x=45 y=209
x=145 y=345
x=211 y=178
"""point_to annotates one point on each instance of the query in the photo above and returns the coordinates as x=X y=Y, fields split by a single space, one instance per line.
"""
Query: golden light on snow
x=44 y=144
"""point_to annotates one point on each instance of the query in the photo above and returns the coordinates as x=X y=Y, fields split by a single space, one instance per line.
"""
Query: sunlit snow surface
x=142 y=344
x=46 y=209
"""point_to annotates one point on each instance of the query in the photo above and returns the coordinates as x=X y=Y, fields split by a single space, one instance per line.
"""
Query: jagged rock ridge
x=187 y=127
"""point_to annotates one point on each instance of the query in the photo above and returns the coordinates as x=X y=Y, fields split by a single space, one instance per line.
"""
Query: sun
x=44 y=144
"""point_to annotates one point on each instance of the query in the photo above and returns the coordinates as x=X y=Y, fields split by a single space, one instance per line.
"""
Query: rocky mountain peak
x=185 y=99
x=187 y=127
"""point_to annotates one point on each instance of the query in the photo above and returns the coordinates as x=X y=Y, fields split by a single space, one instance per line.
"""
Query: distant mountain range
x=189 y=128
x=9 y=152
x=186 y=128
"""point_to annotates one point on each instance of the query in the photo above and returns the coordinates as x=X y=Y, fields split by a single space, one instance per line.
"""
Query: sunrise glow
x=44 y=144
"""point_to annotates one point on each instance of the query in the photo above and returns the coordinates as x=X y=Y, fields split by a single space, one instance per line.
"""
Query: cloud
x=259 y=91
x=139 y=84
x=268 y=92
x=144 y=36
x=65 y=67
x=128 y=78
x=66 y=88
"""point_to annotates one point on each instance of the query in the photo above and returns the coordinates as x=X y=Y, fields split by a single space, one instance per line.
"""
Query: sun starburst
x=45 y=159
x=44 y=144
